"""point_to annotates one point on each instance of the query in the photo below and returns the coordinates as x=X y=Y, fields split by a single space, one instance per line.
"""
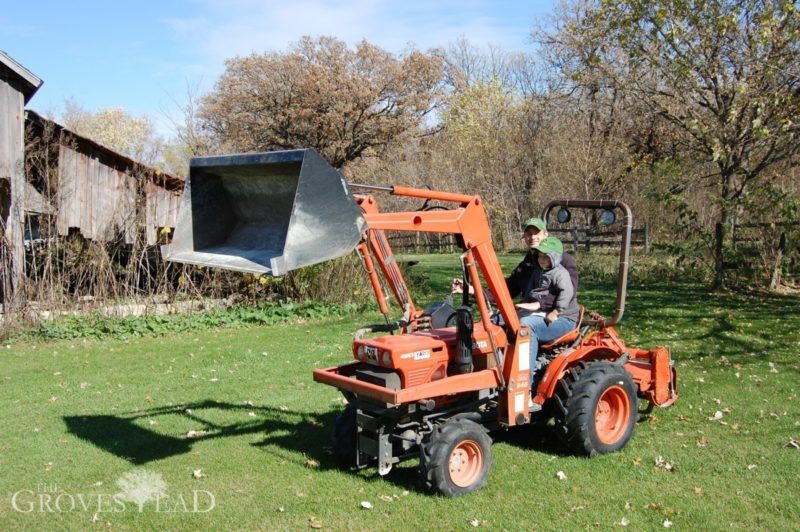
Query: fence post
x=588 y=239
x=646 y=238
x=575 y=241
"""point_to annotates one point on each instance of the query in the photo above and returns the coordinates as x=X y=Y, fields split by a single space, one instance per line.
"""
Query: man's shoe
x=533 y=407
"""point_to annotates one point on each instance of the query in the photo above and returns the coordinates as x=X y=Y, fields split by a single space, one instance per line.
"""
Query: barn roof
x=112 y=158
x=18 y=76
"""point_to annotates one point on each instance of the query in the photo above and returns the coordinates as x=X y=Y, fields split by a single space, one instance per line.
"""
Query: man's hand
x=530 y=307
x=457 y=287
x=551 y=316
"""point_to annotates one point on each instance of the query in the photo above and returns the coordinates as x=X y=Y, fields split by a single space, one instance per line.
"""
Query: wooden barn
x=99 y=192
x=54 y=182
x=17 y=87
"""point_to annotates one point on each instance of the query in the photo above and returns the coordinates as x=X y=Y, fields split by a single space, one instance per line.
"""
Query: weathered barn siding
x=17 y=86
x=103 y=194
x=98 y=200
x=11 y=172
x=161 y=209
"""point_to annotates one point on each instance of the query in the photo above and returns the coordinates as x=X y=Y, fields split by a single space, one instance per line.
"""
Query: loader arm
x=468 y=220
x=375 y=244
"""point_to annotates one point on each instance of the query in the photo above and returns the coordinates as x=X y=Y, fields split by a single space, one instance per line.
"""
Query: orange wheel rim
x=611 y=417
x=466 y=463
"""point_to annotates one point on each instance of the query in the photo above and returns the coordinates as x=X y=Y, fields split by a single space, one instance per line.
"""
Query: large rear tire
x=596 y=408
x=344 y=437
x=456 y=458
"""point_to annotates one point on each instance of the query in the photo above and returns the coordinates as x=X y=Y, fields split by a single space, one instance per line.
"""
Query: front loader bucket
x=264 y=213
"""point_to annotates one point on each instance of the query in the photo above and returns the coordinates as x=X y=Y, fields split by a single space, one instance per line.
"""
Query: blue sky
x=145 y=56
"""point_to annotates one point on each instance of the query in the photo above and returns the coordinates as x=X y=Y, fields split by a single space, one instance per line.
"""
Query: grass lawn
x=238 y=408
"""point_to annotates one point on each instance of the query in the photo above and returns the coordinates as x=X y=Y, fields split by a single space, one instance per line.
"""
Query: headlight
x=361 y=352
x=387 y=359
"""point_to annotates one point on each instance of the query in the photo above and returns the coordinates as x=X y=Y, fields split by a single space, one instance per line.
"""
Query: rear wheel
x=596 y=408
x=456 y=458
x=344 y=437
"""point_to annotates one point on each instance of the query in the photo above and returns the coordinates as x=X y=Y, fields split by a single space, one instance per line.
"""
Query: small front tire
x=456 y=458
x=344 y=437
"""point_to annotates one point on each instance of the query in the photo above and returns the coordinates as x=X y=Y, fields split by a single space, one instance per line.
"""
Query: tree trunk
x=775 y=280
x=719 y=265
x=719 y=234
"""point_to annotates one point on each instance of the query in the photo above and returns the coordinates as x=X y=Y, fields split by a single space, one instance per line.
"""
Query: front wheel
x=596 y=408
x=344 y=437
x=456 y=458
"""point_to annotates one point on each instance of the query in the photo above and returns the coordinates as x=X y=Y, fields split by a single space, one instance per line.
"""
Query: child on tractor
x=548 y=322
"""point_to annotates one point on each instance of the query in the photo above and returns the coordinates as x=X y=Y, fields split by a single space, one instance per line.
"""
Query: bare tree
x=345 y=103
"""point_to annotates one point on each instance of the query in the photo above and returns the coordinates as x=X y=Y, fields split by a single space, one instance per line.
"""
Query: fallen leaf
x=697 y=490
x=366 y=505
x=624 y=521
x=313 y=522
x=667 y=523
x=283 y=408
x=475 y=523
x=772 y=368
x=151 y=422
x=717 y=416
x=792 y=443
x=198 y=473
x=195 y=433
x=95 y=518
x=561 y=475
x=702 y=442
x=637 y=460
x=751 y=467
x=386 y=498
x=663 y=464
x=84 y=385
x=313 y=464
x=281 y=509
x=251 y=414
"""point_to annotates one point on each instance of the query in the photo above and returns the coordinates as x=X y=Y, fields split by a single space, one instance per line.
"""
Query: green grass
x=79 y=414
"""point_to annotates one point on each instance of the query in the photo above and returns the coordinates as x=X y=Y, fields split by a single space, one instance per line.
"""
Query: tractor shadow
x=302 y=438
x=136 y=436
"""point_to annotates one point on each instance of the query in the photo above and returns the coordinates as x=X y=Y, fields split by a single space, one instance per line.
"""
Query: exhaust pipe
x=264 y=213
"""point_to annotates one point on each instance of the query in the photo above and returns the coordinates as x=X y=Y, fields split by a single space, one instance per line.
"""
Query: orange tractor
x=436 y=382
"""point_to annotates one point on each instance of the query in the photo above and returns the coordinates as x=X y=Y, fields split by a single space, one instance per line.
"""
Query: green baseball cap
x=550 y=245
x=538 y=223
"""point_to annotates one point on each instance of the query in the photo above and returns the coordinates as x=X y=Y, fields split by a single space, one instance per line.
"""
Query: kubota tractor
x=434 y=383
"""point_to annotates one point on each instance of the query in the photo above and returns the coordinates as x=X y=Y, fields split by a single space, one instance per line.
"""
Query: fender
x=562 y=363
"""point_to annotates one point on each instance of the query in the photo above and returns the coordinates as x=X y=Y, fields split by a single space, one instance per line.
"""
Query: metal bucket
x=264 y=213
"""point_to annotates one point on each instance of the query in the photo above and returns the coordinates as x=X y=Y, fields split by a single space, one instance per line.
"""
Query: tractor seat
x=568 y=337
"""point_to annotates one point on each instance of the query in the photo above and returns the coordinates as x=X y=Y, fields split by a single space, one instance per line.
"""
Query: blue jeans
x=544 y=333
